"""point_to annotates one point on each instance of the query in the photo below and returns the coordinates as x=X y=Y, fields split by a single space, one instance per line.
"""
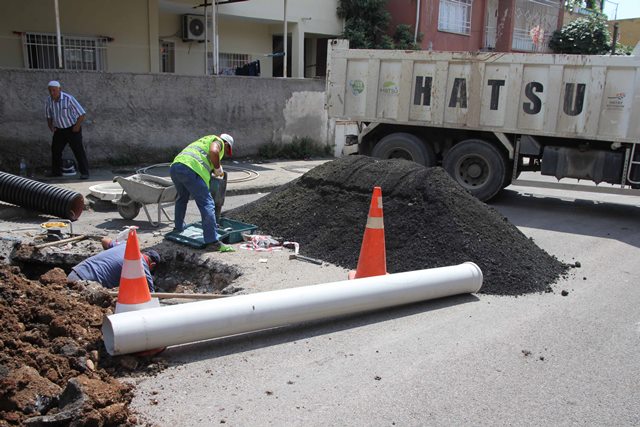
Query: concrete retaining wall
x=147 y=118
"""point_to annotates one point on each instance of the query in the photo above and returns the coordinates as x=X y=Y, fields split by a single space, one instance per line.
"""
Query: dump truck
x=486 y=117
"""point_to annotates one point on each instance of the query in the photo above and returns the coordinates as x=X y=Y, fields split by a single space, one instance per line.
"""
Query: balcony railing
x=523 y=41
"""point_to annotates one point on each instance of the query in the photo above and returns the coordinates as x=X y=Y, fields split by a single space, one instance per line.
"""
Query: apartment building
x=481 y=25
x=189 y=37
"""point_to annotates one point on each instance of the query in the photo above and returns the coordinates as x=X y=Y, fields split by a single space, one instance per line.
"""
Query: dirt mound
x=53 y=367
x=429 y=222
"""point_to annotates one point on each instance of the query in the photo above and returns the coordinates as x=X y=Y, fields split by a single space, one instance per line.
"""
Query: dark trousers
x=60 y=139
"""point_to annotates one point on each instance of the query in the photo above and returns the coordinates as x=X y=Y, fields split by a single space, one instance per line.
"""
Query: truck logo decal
x=616 y=101
x=458 y=93
x=390 y=88
x=357 y=86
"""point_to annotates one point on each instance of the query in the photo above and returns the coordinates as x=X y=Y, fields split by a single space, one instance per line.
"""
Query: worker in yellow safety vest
x=191 y=173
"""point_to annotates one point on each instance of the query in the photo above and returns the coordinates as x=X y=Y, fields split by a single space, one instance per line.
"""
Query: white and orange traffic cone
x=133 y=293
x=373 y=259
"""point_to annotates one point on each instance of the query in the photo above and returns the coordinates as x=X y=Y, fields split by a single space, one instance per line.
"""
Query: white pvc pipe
x=154 y=328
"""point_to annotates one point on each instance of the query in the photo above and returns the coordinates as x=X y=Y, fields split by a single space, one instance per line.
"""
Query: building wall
x=404 y=11
x=628 y=31
x=239 y=37
x=136 y=27
x=318 y=16
x=128 y=51
x=145 y=118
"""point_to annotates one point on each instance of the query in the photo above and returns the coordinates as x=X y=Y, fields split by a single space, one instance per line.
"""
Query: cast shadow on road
x=250 y=341
x=580 y=216
x=140 y=222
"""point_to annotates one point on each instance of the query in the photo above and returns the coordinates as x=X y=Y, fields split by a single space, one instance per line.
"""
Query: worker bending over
x=191 y=173
x=106 y=267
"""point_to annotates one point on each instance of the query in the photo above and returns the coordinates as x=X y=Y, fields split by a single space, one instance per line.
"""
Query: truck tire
x=402 y=145
x=477 y=166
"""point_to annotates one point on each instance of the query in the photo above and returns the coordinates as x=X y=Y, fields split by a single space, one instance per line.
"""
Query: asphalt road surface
x=567 y=357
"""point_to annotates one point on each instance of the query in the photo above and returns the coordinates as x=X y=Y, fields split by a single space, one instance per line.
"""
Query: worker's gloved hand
x=218 y=172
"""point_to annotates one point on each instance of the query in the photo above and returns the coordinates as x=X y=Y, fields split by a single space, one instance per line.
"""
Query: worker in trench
x=191 y=173
x=106 y=267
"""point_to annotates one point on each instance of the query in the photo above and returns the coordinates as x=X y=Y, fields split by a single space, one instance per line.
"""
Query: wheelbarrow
x=140 y=190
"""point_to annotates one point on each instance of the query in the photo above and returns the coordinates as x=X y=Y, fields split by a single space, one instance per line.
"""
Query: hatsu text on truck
x=487 y=117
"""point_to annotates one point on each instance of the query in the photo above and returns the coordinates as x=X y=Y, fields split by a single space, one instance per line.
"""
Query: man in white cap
x=191 y=172
x=64 y=117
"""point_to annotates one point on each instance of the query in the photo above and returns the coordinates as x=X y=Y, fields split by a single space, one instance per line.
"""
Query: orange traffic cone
x=134 y=290
x=373 y=259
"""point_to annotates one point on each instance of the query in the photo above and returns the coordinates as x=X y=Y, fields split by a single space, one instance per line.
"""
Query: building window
x=455 y=16
x=167 y=57
x=78 y=53
x=534 y=23
x=228 y=62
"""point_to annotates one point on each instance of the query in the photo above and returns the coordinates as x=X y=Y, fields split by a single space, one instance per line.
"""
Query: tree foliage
x=584 y=36
x=587 y=4
x=366 y=24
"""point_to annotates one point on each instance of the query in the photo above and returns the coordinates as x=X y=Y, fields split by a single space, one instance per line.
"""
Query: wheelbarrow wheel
x=129 y=210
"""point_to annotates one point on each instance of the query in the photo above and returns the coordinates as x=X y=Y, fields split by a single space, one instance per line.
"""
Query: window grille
x=228 y=62
x=167 y=57
x=534 y=23
x=552 y=3
x=78 y=53
x=455 y=16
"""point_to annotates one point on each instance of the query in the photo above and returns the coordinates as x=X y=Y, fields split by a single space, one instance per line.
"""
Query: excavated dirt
x=53 y=367
x=429 y=222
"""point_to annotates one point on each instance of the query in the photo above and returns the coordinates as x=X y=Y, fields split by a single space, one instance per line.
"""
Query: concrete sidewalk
x=244 y=177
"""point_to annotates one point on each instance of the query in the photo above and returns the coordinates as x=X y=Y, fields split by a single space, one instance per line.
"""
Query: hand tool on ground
x=295 y=246
x=59 y=242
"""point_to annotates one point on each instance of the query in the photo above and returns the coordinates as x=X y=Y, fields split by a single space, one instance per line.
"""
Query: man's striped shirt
x=65 y=111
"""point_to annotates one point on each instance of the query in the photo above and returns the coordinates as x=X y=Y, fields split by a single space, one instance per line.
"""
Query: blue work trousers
x=188 y=183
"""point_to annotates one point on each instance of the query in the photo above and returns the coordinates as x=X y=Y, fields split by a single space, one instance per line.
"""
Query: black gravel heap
x=429 y=222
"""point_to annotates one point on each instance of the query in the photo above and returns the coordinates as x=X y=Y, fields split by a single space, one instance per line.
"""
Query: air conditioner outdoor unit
x=192 y=27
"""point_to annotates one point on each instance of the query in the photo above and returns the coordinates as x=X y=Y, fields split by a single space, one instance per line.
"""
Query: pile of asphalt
x=429 y=220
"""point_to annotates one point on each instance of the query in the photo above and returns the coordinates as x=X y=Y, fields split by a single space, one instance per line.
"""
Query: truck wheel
x=508 y=175
x=402 y=145
x=477 y=166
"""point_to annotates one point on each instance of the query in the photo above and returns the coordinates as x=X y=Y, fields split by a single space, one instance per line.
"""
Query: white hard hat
x=229 y=140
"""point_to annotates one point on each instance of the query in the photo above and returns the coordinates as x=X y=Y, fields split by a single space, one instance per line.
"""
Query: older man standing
x=64 y=117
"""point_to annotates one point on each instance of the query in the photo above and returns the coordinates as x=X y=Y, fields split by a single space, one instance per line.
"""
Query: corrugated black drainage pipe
x=41 y=197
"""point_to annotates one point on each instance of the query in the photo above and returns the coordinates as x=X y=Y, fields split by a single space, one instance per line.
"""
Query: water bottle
x=124 y=235
x=23 y=167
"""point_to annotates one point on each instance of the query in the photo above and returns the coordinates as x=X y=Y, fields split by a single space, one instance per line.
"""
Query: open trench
x=181 y=270
x=54 y=369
